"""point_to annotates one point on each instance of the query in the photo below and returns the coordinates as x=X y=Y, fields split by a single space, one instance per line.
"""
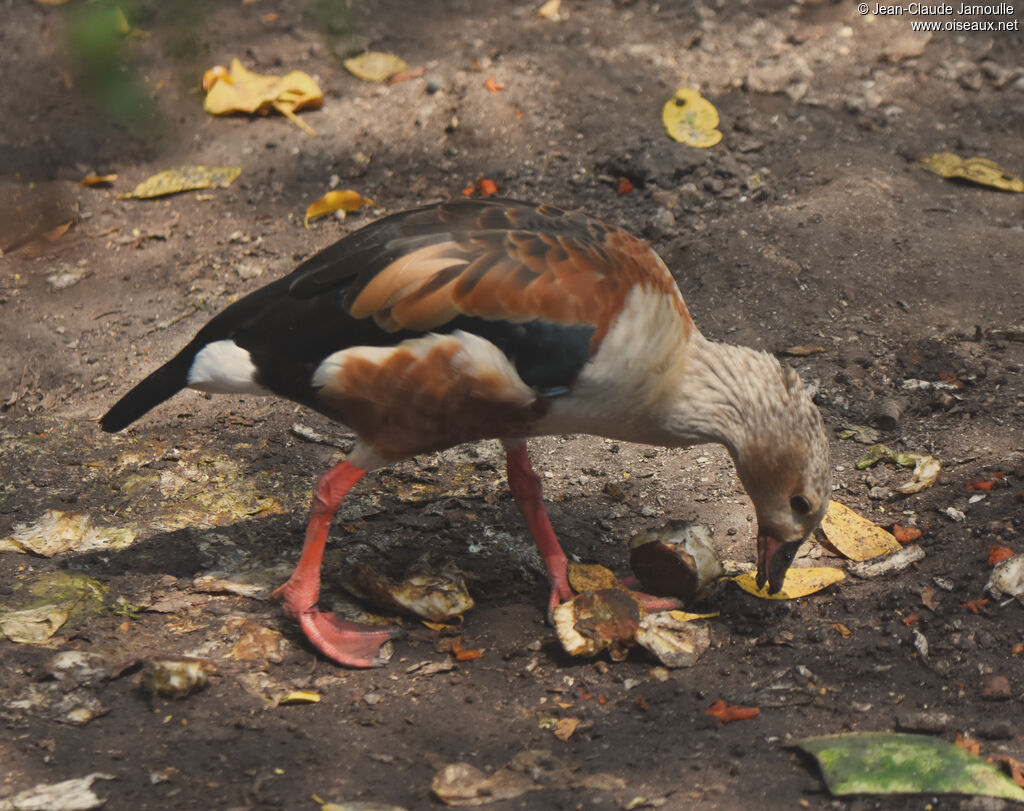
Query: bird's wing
x=495 y=260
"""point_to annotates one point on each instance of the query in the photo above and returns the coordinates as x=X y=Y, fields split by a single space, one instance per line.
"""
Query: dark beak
x=773 y=559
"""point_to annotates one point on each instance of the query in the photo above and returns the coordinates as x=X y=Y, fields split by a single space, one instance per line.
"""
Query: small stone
x=928 y=722
x=997 y=689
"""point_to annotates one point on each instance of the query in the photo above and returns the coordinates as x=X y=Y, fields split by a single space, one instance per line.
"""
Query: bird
x=498 y=319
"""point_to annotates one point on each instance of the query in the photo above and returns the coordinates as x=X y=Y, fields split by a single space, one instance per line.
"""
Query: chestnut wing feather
x=495 y=260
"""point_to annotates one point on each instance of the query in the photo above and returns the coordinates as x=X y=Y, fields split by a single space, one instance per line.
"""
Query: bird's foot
x=561 y=592
x=652 y=603
x=347 y=643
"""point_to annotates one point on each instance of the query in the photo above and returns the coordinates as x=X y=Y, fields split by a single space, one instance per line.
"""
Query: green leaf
x=896 y=763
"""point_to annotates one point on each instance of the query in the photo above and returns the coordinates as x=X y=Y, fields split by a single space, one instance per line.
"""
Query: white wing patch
x=223 y=367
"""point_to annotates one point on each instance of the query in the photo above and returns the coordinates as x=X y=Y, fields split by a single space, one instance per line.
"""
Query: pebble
x=930 y=722
x=997 y=688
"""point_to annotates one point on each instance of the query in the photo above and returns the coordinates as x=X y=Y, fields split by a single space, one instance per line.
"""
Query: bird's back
x=497 y=305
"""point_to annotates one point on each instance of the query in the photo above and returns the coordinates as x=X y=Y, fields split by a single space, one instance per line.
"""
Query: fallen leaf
x=493 y=85
x=977 y=170
x=406 y=75
x=687 y=616
x=802 y=350
x=842 y=630
x=855 y=537
x=300 y=697
x=183 y=178
x=997 y=554
x=624 y=186
x=256 y=643
x=691 y=119
x=484 y=187
x=242 y=91
x=98 y=180
x=343 y=200
x=913 y=619
x=727 y=713
x=974 y=606
x=565 y=728
x=901 y=763
x=532 y=770
x=905 y=534
x=56 y=532
x=883 y=453
x=1013 y=768
x=929 y=599
x=864 y=434
x=68 y=795
x=374 y=66
x=56 y=233
x=981 y=484
x=591 y=577
x=549 y=11
x=798 y=583
x=462 y=654
x=41 y=606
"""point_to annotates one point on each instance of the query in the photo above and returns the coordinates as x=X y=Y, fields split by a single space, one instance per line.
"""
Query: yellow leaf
x=184 y=178
x=854 y=536
x=690 y=118
x=242 y=91
x=549 y=11
x=374 y=66
x=300 y=697
x=798 y=583
x=98 y=180
x=344 y=200
x=687 y=616
x=591 y=577
x=977 y=170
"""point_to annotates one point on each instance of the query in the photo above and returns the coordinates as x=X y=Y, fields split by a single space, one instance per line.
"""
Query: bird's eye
x=800 y=505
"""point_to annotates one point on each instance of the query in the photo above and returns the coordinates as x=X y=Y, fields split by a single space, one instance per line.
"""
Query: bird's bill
x=773 y=559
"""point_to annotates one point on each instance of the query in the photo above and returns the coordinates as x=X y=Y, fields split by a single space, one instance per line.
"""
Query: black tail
x=161 y=385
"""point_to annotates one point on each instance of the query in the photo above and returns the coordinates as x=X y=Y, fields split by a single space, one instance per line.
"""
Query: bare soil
x=808 y=226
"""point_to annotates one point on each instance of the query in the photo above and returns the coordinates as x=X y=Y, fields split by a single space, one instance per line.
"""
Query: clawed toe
x=347 y=643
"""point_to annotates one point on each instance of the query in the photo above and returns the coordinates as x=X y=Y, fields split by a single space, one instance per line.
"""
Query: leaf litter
x=239 y=90
x=903 y=763
x=182 y=179
x=532 y=770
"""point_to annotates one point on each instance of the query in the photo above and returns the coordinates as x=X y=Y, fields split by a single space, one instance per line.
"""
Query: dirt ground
x=810 y=225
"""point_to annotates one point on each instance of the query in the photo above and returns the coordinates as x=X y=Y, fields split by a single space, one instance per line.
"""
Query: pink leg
x=347 y=643
x=525 y=487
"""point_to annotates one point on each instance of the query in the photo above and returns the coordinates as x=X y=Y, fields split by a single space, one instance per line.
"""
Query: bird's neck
x=722 y=395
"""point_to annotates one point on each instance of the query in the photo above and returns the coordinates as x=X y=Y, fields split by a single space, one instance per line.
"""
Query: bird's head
x=784 y=466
